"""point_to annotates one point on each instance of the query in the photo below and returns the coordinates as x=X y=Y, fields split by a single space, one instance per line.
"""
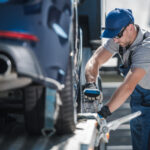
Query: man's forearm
x=119 y=97
x=91 y=70
x=126 y=89
x=100 y=56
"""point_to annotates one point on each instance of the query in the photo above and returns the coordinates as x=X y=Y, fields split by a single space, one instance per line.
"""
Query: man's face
x=124 y=40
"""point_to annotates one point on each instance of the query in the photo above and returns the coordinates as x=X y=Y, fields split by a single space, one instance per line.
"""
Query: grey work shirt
x=140 y=57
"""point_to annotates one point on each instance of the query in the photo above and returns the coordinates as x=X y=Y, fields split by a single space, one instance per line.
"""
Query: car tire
x=66 y=121
x=34 y=105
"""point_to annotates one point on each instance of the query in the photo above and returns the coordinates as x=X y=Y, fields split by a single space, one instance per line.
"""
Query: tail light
x=18 y=35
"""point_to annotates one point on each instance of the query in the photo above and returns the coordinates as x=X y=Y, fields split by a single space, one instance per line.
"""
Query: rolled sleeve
x=141 y=59
x=111 y=46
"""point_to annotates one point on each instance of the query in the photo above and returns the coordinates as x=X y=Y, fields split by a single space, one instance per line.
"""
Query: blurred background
x=140 y=9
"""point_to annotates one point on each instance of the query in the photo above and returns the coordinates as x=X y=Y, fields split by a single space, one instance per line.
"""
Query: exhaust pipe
x=5 y=65
x=9 y=79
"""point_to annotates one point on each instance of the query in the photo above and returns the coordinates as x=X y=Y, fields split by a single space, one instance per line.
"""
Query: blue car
x=40 y=63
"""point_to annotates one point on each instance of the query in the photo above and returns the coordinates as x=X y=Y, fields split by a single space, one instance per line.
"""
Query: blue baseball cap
x=116 y=20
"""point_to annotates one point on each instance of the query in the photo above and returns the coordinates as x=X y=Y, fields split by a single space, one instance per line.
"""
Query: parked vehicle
x=41 y=62
x=40 y=59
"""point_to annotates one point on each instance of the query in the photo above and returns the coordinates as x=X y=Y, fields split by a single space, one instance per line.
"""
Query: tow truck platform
x=14 y=137
x=84 y=135
x=92 y=132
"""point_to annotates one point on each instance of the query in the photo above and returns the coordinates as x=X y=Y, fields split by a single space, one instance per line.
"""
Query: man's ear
x=131 y=27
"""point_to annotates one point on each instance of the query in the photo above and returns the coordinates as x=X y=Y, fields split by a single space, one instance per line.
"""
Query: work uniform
x=137 y=56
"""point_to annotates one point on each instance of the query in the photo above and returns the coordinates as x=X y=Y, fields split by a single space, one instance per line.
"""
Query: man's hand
x=91 y=92
x=104 y=112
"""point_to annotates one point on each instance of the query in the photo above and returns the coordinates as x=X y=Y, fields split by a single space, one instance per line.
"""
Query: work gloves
x=91 y=92
x=104 y=112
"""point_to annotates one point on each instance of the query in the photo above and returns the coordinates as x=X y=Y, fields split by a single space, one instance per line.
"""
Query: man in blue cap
x=133 y=44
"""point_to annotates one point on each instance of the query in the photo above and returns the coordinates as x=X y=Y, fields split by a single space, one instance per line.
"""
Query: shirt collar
x=139 y=37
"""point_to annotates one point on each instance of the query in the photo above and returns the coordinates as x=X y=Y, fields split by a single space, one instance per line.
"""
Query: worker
x=133 y=45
